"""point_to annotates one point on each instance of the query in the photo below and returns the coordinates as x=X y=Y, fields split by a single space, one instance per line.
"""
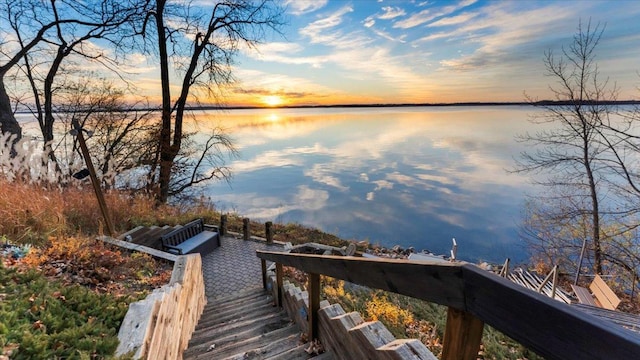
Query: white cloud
x=323 y=31
x=427 y=15
x=299 y=7
x=391 y=12
x=415 y=20
x=322 y=173
x=283 y=53
x=501 y=32
x=454 y=20
x=311 y=199
x=369 y=22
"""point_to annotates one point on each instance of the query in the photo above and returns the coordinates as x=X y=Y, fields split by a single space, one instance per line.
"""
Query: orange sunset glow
x=272 y=100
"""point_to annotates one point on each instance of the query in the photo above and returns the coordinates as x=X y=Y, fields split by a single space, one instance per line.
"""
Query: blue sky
x=393 y=51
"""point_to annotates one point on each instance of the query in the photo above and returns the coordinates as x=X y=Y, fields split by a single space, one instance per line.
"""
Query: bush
x=40 y=319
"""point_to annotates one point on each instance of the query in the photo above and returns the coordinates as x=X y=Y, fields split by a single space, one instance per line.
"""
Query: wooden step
x=257 y=347
x=238 y=330
x=246 y=326
x=213 y=319
x=222 y=310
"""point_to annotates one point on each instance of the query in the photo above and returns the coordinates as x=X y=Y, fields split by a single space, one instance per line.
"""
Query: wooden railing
x=474 y=296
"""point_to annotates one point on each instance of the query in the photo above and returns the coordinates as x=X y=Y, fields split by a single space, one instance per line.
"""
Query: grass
x=41 y=319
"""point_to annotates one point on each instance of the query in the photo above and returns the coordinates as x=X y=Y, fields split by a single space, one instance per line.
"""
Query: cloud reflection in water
x=409 y=176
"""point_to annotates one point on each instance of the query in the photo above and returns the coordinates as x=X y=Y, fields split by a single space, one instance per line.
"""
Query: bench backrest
x=603 y=293
x=183 y=233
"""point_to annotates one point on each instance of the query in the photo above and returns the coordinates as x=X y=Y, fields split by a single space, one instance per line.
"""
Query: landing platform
x=233 y=267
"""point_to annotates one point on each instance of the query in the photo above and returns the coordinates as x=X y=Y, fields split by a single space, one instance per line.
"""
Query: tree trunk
x=8 y=122
x=167 y=155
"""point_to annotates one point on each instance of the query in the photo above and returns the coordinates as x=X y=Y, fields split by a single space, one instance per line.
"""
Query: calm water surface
x=409 y=176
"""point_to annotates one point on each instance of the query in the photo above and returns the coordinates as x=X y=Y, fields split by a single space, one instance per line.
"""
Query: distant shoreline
x=402 y=105
x=471 y=103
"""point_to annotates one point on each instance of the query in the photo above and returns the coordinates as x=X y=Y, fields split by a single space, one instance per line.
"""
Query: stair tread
x=248 y=303
x=213 y=319
x=273 y=341
x=218 y=334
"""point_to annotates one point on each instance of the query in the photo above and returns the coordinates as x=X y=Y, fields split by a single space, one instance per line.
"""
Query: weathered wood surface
x=140 y=248
x=160 y=326
x=441 y=284
x=348 y=336
x=603 y=293
x=552 y=329
x=462 y=336
x=584 y=295
x=628 y=321
x=535 y=283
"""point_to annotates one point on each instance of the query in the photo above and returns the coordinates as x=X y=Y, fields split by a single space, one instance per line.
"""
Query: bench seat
x=600 y=294
x=203 y=242
x=584 y=295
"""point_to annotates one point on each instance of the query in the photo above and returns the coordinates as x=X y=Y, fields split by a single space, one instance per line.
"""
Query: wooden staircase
x=247 y=326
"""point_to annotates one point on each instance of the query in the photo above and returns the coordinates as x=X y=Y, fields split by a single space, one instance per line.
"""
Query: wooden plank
x=436 y=282
x=406 y=349
x=607 y=298
x=461 y=336
x=552 y=329
x=140 y=248
x=583 y=295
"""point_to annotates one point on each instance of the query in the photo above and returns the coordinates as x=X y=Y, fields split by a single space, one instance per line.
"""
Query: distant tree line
x=45 y=45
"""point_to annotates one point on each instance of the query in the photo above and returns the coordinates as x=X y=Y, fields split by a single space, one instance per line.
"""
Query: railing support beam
x=263 y=265
x=279 y=284
x=462 y=336
x=314 y=305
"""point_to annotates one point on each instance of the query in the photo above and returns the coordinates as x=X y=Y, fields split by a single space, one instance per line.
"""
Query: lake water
x=416 y=176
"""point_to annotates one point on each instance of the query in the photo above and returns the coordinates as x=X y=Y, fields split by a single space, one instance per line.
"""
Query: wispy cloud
x=299 y=7
x=427 y=15
x=284 y=53
x=391 y=12
x=325 y=31
x=501 y=33
x=454 y=20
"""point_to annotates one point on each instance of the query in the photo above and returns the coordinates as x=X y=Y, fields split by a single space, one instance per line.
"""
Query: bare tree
x=122 y=133
x=201 y=43
x=63 y=30
x=572 y=153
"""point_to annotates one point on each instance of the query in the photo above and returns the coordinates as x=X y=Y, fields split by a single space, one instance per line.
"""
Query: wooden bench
x=604 y=296
x=191 y=238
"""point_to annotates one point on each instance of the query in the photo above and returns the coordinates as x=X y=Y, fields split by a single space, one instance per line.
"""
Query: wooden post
x=94 y=179
x=263 y=264
x=268 y=230
x=554 y=274
x=462 y=336
x=505 y=268
x=279 y=284
x=245 y=228
x=314 y=305
x=223 y=225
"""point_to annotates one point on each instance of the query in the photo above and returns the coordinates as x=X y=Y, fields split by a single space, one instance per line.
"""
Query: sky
x=416 y=51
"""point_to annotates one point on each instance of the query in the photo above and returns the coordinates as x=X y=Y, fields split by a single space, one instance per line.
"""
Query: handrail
x=550 y=328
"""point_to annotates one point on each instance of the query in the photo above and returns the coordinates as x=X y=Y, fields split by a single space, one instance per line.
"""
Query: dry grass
x=30 y=214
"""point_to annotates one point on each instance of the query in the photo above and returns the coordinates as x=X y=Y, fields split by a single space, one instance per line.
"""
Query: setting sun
x=272 y=100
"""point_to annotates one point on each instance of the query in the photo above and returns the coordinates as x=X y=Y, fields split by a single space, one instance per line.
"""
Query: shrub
x=40 y=319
